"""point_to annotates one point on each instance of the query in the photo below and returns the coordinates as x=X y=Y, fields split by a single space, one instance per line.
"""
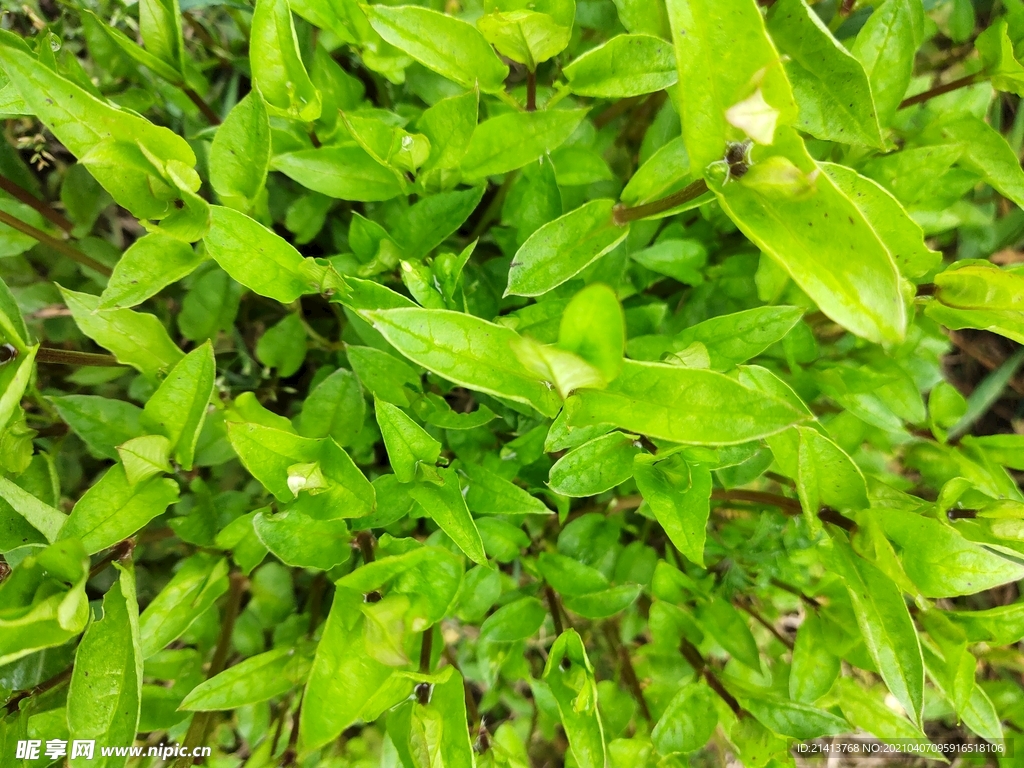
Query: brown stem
x=120 y=551
x=58 y=245
x=56 y=356
x=291 y=751
x=622 y=215
x=970 y=349
x=847 y=7
x=758 y=497
x=472 y=711
x=212 y=117
x=365 y=539
x=786 y=504
x=314 y=139
x=531 y=91
x=611 y=631
x=616 y=110
x=316 y=598
x=962 y=514
x=556 y=613
x=695 y=660
x=794 y=591
x=28 y=198
x=426 y=649
x=938 y=90
x=47 y=685
x=765 y=623
x=198 y=730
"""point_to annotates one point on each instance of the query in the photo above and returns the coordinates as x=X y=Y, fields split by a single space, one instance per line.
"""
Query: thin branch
x=556 y=613
x=531 y=91
x=198 y=730
x=794 y=591
x=120 y=551
x=206 y=109
x=291 y=751
x=742 y=604
x=616 y=110
x=758 y=497
x=695 y=660
x=47 y=685
x=57 y=245
x=365 y=540
x=472 y=711
x=611 y=631
x=28 y=198
x=622 y=215
x=939 y=90
x=55 y=356
x=426 y=649
x=966 y=346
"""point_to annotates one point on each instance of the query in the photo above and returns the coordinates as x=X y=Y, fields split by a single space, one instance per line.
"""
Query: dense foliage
x=509 y=382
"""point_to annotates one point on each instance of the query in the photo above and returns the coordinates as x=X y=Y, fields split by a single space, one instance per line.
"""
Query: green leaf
x=240 y=153
x=407 y=443
x=716 y=75
x=258 y=258
x=14 y=378
x=730 y=339
x=679 y=495
x=466 y=350
x=160 y=24
x=447 y=507
x=886 y=626
x=44 y=600
x=595 y=467
x=491 y=153
x=570 y=676
x=678 y=259
x=940 y=561
x=283 y=346
x=177 y=410
x=688 y=721
x=79 y=120
x=491 y=494
x=105 y=695
x=346 y=172
x=210 y=306
x=300 y=541
x=868 y=711
x=827 y=476
x=1001 y=65
x=593 y=327
x=151 y=264
x=276 y=63
x=144 y=457
x=517 y=620
x=12 y=324
x=793 y=718
x=604 y=604
x=894 y=227
x=979 y=295
x=449 y=46
x=830 y=86
x=194 y=588
x=886 y=46
x=344 y=676
x=669 y=402
x=625 y=66
x=563 y=248
x=983 y=150
x=114 y=509
x=449 y=125
x=525 y=36
x=728 y=626
x=335 y=408
x=102 y=423
x=823 y=241
x=815 y=668
x=258 y=678
x=136 y=339
x=434 y=219
x=44 y=518
x=385 y=375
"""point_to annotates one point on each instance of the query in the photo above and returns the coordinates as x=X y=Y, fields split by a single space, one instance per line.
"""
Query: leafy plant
x=598 y=382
